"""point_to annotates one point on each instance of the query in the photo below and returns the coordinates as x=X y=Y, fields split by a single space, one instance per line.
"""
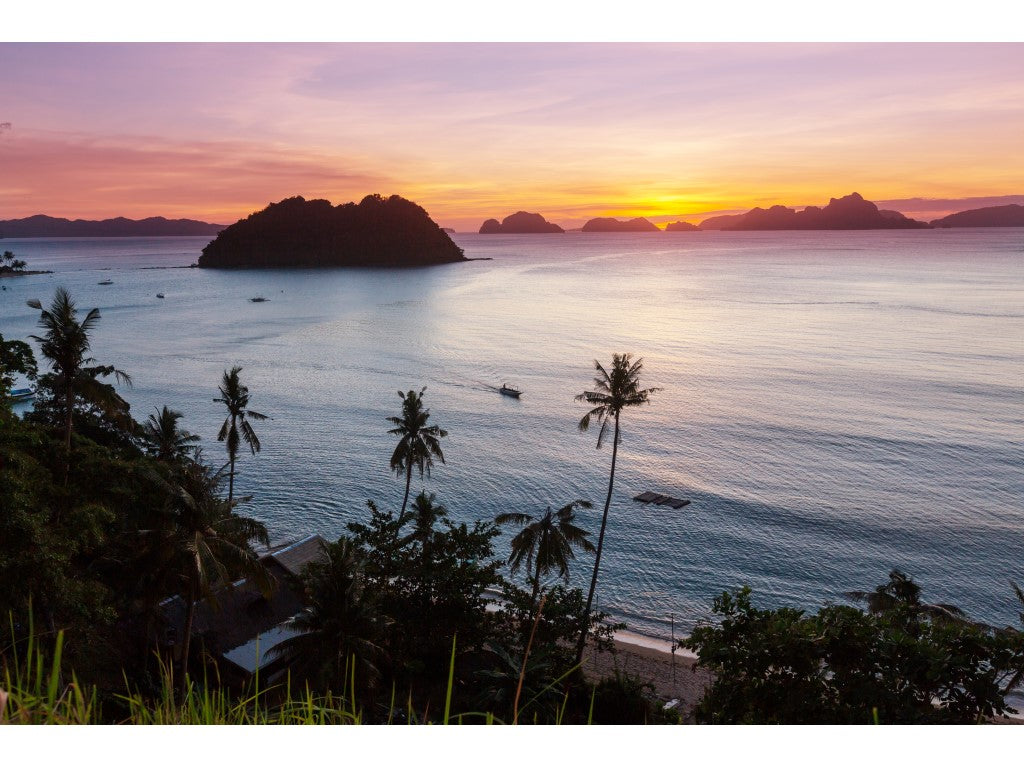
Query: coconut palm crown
x=546 y=542
x=65 y=344
x=418 y=444
x=164 y=439
x=613 y=391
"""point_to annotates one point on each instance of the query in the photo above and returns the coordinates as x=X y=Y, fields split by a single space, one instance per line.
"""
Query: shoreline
x=674 y=678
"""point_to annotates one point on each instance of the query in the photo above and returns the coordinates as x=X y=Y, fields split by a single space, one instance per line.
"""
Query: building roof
x=292 y=557
x=258 y=652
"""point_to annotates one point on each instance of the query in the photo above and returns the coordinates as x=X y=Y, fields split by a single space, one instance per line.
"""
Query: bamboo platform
x=650 y=497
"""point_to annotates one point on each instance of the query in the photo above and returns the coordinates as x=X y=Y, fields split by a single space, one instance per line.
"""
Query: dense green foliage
x=901 y=662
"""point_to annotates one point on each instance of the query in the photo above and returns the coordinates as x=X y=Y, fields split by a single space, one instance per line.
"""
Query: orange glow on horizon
x=470 y=132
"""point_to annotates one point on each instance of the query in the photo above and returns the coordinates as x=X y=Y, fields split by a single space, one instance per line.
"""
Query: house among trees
x=238 y=630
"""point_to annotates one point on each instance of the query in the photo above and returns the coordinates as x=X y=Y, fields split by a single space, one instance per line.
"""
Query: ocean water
x=835 y=404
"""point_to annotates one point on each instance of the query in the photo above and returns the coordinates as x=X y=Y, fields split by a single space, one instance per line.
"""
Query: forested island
x=615 y=225
x=520 y=223
x=295 y=232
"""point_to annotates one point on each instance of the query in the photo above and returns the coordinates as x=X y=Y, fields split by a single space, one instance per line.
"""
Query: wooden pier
x=650 y=497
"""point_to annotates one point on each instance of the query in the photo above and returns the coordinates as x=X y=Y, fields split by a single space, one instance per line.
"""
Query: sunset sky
x=474 y=131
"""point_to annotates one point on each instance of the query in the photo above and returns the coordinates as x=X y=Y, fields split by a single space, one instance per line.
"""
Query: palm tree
x=424 y=515
x=613 y=392
x=901 y=590
x=235 y=396
x=202 y=542
x=65 y=344
x=546 y=542
x=165 y=440
x=341 y=621
x=418 y=443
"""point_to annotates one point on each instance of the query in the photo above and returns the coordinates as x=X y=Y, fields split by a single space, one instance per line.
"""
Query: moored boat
x=23 y=393
x=505 y=389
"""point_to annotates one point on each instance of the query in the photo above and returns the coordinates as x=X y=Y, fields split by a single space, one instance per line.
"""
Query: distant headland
x=378 y=232
x=995 y=216
x=614 y=225
x=155 y=226
x=519 y=223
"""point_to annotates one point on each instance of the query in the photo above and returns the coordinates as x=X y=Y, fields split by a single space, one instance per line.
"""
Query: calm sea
x=835 y=404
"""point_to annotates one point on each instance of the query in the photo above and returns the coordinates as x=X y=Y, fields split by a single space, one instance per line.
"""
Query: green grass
x=38 y=693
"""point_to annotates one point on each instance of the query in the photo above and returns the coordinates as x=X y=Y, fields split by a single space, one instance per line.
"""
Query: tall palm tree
x=419 y=443
x=165 y=440
x=65 y=345
x=201 y=542
x=236 y=426
x=341 y=621
x=612 y=392
x=546 y=542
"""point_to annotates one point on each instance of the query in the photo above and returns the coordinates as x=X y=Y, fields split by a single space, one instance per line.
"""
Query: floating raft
x=649 y=497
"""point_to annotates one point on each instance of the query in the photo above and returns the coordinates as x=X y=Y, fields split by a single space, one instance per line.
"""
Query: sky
x=471 y=131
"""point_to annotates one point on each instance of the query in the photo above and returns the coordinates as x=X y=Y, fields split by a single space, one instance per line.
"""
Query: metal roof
x=292 y=557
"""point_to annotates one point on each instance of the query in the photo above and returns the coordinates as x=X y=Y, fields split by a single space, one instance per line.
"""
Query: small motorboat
x=159 y=295
x=105 y=282
x=505 y=389
x=22 y=393
x=258 y=299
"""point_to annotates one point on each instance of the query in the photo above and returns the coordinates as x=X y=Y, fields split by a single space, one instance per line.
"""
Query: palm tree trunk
x=408 y=482
x=69 y=403
x=536 y=586
x=189 y=618
x=232 y=455
x=600 y=545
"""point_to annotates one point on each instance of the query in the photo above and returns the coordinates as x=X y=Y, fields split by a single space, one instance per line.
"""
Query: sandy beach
x=673 y=675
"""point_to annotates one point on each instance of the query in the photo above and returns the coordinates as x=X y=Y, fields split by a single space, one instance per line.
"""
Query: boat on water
x=159 y=295
x=105 y=282
x=258 y=299
x=505 y=389
x=23 y=393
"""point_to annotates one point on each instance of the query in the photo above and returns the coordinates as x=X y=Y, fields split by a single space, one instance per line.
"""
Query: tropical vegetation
x=116 y=536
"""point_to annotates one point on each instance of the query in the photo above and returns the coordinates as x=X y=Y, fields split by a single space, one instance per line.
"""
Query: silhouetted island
x=519 y=223
x=681 y=226
x=378 y=232
x=614 y=225
x=850 y=212
x=155 y=226
x=995 y=216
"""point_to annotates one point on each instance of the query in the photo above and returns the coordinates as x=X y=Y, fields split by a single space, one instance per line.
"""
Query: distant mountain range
x=155 y=226
x=850 y=212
